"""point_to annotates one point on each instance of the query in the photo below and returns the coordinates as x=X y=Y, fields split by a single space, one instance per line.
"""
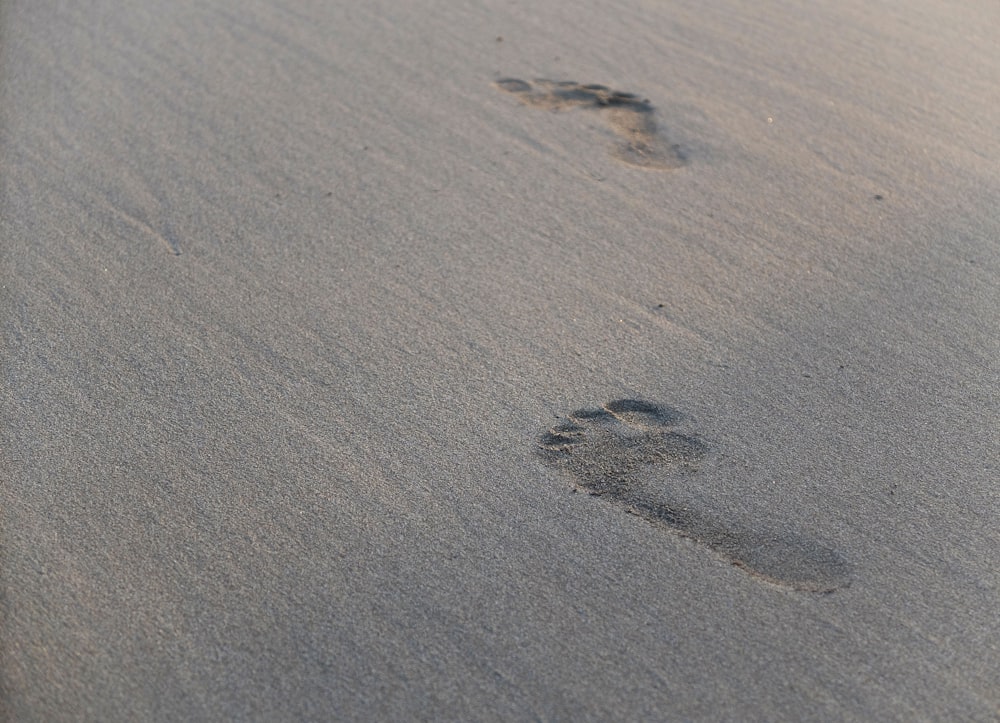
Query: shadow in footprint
x=605 y=448
x=630 y=117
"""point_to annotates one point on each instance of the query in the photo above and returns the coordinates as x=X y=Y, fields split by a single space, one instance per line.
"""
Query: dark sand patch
x=604 y=448
x=633 y=119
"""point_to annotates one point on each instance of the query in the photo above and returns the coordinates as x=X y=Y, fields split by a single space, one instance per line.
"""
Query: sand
x=292 y=294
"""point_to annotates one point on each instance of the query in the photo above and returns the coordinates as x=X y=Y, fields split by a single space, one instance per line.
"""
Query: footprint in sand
x=631 y=453
x=630 y=117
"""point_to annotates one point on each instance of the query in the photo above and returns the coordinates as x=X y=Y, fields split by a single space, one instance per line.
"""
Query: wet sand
x=335 y=361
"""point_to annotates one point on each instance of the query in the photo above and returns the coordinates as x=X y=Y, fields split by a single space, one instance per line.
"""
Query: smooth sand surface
x=317 y=331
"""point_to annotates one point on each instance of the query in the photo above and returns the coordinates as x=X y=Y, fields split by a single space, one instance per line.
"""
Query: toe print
x=632 y=118
x=603 y=450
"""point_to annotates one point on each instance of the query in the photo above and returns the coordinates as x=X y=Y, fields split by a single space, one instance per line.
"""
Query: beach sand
x=561 y=361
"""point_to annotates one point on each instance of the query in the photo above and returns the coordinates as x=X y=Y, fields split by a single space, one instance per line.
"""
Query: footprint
x=611 y=451
x=630 y=117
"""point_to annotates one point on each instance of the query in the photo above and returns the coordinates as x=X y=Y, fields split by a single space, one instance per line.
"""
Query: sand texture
x=499 y=361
